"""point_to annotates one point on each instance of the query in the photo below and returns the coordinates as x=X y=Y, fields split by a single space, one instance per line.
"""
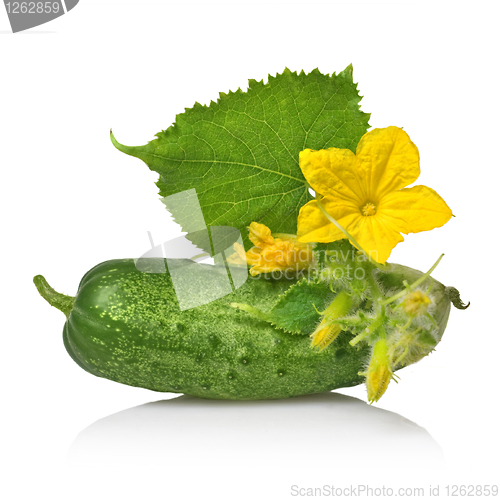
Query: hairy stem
x=377 y=322
x=409 y=288
x=58 y=300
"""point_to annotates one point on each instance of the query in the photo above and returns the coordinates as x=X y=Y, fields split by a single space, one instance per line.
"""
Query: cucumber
x=126 y=325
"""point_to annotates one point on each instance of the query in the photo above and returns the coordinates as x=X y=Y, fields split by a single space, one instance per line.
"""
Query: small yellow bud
x=416 y=303
x=324 y=334
x=379 y=371
x=328 y=330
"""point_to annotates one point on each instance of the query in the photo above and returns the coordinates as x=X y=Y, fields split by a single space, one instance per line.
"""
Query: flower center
x=416 y=302
x=369 y=209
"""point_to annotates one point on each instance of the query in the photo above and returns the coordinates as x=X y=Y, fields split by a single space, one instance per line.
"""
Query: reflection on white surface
x=328 y=429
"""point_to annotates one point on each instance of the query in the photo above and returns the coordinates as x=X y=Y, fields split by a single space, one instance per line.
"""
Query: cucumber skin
x=126 y=326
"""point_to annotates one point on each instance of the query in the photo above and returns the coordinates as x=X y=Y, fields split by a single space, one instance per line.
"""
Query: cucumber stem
x=58 y=300
x=454 y=295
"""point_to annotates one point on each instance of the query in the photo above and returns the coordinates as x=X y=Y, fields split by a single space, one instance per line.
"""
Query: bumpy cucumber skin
x=126 y=326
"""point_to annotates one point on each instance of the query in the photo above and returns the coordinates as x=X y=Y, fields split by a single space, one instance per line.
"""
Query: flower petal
x=414 y=209
x=238 y=258
x=387 y=161
x=312 y=225
x=260 y=235
x=376 y=237
x=331 y=172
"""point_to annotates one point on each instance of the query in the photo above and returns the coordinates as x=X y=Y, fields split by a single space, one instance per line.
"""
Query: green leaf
x=339 y=251
x=295 y=311
x=241 y=153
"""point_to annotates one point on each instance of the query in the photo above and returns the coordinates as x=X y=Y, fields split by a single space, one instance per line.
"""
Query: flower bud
x=328 y=330
x=379 y=371
x=324 y=334
x=416 y=303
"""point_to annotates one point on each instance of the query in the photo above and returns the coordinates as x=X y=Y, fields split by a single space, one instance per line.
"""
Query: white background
x=69 y=200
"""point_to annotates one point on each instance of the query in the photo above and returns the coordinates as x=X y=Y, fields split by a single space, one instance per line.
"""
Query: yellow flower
x=364 y=193
x=270 y=254
x=260 y=235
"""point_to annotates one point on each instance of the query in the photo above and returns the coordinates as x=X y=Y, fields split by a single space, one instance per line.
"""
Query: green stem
x=405 y=352
x=58 y=300
x=250 y=309
x=340 y=306
x=381 y=330
x=372 y=283
x=200 y=255
x=371 y=328
x=454 y=295
x=346 y=233
x=409 y=288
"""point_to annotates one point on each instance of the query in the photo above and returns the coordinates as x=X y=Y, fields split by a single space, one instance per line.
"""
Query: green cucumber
x=126 y=325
